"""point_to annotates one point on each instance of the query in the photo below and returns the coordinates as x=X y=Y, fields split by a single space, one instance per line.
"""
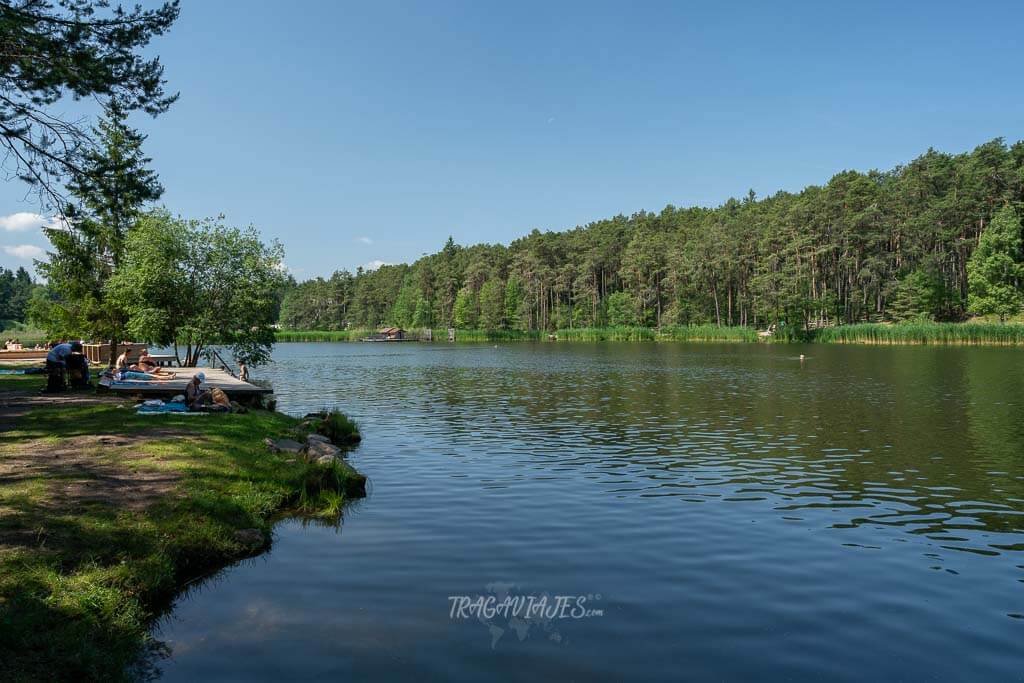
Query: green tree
x=466 y=312
x=621 y=309
x=492 y=305
x=515 y=302
x=404 y=308
x=995 y=272
x=423 y=315
x=16 y=289
x=112 y=188
x=864 y=246
x=197 y=284
x=918 y=295
x=82 y=48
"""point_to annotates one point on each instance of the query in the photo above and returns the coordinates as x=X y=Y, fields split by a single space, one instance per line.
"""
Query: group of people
x=197 y=398
x=145 y=368
x=66 y=364
x=15 y=344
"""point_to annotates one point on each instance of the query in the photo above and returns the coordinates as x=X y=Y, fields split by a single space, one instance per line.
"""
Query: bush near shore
x=968 y=333
x=107 y=515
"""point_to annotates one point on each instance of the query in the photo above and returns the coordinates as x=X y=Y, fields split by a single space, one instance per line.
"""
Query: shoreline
x=108 y=516
x=871 y=334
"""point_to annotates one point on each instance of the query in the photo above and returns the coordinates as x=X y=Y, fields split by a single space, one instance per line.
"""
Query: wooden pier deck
x=232 y=386
x=23 y=354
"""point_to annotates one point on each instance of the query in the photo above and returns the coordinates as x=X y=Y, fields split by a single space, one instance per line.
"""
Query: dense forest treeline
x=873 y=246
x=16 y=288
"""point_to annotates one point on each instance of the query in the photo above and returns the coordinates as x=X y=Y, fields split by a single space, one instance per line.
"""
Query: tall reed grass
x=671 y=333
x=322 y=335
x=674 y=333
x=996 y=334
x=23 y=333
x=491 y=335
x=970 y=333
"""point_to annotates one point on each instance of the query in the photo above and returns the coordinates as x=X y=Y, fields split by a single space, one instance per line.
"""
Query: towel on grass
x=155 y=407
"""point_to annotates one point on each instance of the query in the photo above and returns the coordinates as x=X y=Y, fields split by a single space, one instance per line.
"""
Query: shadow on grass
x=82 y=576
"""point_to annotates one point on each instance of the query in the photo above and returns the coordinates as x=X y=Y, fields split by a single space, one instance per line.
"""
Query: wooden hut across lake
x=389 y=334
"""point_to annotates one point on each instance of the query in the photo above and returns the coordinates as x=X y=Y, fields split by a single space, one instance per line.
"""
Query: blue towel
x=165 y=408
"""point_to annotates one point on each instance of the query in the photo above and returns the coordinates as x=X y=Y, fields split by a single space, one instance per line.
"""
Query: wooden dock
x=235 y=388
x=23 y=354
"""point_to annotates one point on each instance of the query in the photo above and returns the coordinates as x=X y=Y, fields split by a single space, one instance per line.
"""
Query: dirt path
x=14 y=404
x=76 y=471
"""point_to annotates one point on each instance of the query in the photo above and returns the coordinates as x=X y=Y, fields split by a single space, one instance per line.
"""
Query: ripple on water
x=859 y=517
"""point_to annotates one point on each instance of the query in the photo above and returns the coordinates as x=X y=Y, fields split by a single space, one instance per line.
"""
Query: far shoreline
x=871 y=334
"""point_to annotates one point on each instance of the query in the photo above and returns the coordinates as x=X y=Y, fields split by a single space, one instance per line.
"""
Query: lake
x=714 y=511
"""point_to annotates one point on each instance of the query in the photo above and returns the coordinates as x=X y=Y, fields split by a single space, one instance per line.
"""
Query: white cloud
x=364 y=240
x=23 y=220
x=375 y=264
x=26 y=252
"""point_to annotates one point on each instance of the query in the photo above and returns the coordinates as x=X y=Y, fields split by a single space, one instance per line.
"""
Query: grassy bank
x=674 y=333
x=106 y=515
x=968 y=333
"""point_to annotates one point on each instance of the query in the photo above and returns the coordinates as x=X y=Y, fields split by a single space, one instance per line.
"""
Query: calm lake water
x=731 y=511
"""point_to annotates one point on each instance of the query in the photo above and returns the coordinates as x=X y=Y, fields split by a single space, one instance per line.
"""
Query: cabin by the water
x=390 y=334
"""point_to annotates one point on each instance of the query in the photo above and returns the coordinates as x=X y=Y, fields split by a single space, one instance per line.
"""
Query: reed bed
x=972 y=334
x=490 y=335
x=580 y=334
x=322 y=335
x=28 y=336
x=709 y=333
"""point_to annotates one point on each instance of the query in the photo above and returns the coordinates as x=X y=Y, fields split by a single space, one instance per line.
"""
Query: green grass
x=971 y=333
x=338 y=427
x=81 y=580
x=21 y=382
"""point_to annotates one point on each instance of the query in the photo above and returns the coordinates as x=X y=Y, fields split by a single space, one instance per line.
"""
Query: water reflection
x=729 y=480
x=926 y=441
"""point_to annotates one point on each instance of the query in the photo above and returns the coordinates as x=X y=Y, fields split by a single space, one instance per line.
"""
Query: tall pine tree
x=112 y=189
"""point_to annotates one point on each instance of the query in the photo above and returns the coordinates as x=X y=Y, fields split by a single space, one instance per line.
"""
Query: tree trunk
x=718 y=312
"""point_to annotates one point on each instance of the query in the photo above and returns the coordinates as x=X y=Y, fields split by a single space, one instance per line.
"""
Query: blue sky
x=365 y=132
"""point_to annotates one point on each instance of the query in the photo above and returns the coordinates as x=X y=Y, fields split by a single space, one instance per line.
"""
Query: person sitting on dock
x=147 y=364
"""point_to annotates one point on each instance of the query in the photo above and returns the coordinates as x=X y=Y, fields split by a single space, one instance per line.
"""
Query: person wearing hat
x=195 y=396
x=57 y=365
